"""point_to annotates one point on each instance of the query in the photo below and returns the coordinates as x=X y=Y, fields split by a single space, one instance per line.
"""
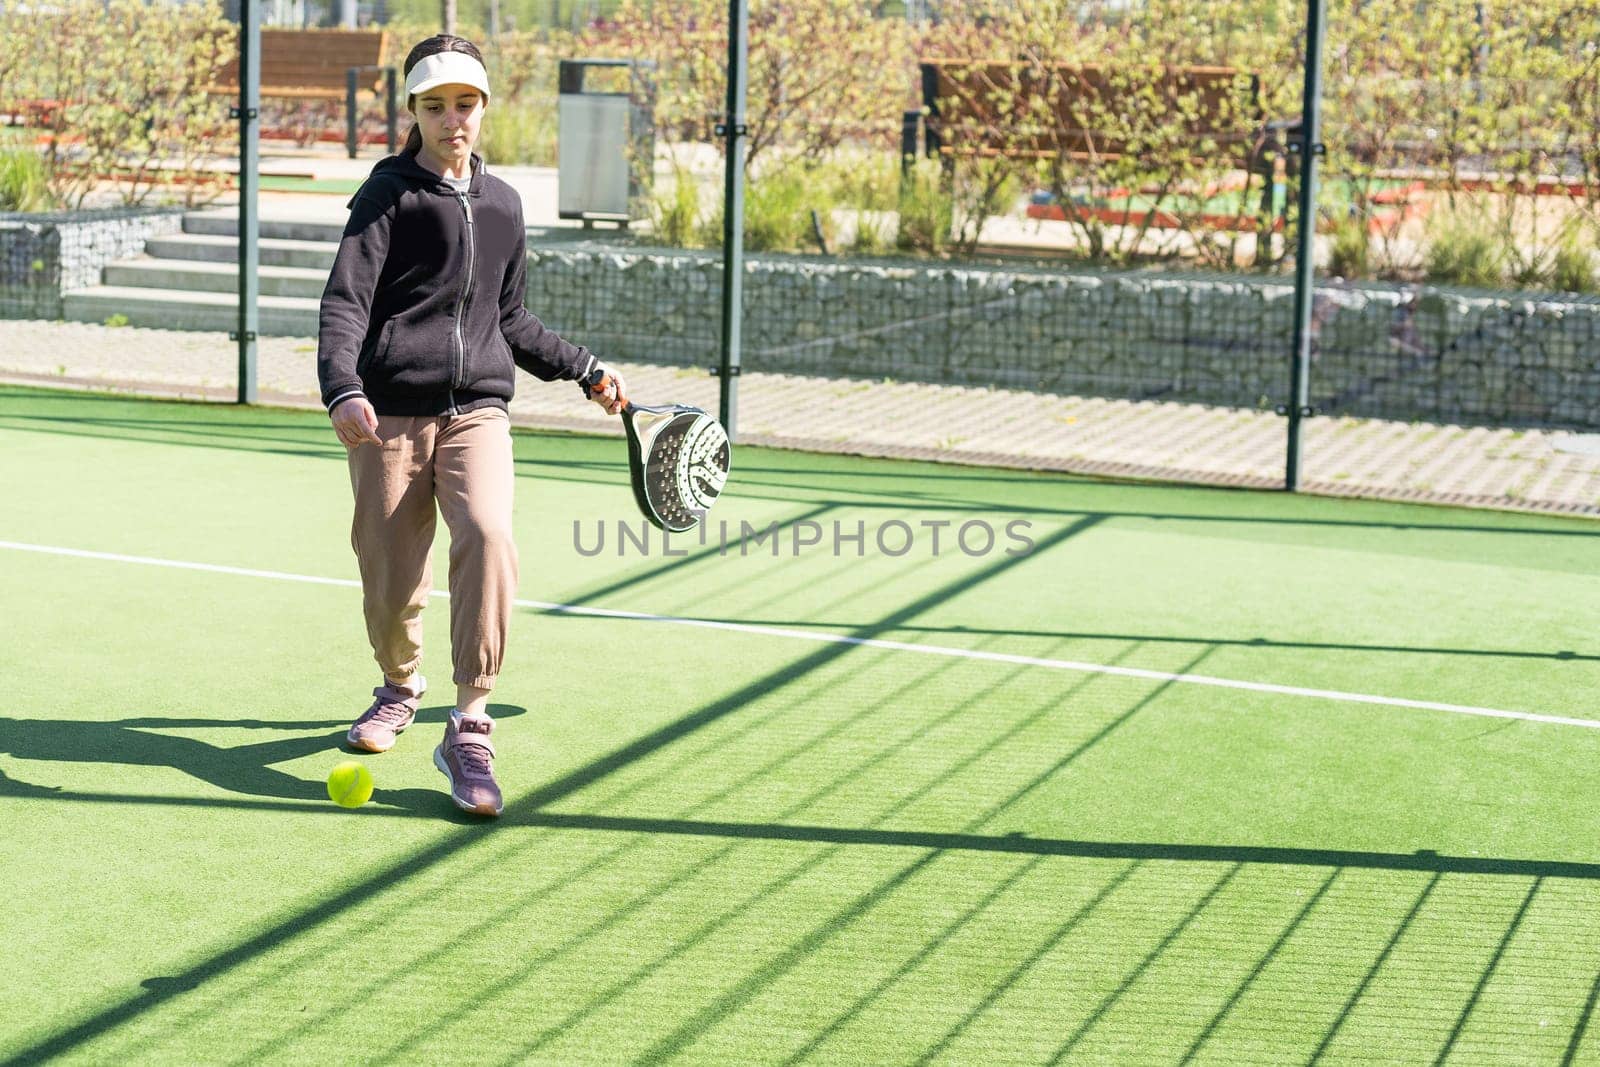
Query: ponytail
x=413 y=141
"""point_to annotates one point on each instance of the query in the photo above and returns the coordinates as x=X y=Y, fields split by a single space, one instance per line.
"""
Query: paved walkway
x=1531 y=470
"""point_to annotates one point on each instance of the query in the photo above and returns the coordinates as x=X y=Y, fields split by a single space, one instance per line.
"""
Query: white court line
x=868 y=642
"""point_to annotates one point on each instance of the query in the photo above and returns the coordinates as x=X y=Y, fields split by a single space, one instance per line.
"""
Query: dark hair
x=442 y=42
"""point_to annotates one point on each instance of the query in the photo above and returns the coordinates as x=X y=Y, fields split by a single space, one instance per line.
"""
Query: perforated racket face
x=681 y=457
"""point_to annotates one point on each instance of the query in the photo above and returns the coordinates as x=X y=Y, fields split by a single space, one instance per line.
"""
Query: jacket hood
x=405 y=166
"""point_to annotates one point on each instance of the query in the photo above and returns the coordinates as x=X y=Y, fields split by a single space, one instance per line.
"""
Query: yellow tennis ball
x=350 y=784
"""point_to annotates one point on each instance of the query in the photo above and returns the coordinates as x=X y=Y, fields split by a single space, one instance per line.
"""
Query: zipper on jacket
x=466 y=293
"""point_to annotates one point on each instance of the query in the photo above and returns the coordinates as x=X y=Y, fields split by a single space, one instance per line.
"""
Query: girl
x=421 y=324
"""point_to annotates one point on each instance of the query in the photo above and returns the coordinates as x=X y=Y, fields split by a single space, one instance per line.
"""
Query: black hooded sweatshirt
x=423 y=310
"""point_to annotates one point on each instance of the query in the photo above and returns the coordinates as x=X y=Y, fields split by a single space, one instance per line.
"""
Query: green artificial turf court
x=900 y=809
x=294 y=183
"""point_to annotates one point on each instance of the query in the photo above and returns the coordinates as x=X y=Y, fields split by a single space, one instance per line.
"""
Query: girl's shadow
x=246 y=769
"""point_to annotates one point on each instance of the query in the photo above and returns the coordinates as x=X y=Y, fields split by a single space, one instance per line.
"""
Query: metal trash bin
x=607 y=142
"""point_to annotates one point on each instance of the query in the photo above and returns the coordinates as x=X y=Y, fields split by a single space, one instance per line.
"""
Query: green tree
x=133 y=82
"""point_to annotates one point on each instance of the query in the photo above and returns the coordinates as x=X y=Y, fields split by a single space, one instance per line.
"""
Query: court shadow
x=888 y=484
x=957 y=630
x=167 y=985
x=141 y=741
x=184 y=435
x=1018 y=843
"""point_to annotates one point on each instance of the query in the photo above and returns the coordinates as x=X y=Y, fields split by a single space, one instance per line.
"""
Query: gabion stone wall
x=1410 y=353
x=44 y=255
x=30 y=270
x=1454 y=355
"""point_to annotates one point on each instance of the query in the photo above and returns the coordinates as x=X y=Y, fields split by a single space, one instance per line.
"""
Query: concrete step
x=169 y=309
x=208 y=277
x=226 y=224
x=311 y=255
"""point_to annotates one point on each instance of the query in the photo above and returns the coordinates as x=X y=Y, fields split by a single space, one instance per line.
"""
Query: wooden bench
x=964 y=118
x=35 y=114
x=313 y=64
x=302 y=65
x=305 y=84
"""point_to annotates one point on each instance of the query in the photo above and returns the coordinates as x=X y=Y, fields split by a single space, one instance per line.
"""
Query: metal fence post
x=733 y=129
x=352 y=79
x=1310 y=149
x=910 y=122
x=248 y=113
x=391 y=94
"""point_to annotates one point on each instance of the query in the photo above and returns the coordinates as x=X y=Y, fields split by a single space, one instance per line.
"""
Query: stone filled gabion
x=1413 y=353
x=43 y=256
x=1385 y=351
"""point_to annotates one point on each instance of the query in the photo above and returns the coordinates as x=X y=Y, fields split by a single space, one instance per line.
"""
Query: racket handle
x=598 y=379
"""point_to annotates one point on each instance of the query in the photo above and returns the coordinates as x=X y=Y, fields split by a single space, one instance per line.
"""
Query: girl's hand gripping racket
x=678 y=458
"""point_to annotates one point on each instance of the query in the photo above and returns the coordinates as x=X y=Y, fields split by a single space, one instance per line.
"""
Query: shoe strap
x=390 y=695
x=472 y=731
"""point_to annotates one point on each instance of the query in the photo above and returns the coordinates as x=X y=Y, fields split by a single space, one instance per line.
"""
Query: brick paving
x=1521 y=470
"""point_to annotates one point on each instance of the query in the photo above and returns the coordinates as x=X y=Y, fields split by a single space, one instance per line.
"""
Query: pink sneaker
x=466 y=757
x=392 y=711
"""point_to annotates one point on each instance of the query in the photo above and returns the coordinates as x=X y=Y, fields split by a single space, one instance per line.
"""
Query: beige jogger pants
x=464 y=463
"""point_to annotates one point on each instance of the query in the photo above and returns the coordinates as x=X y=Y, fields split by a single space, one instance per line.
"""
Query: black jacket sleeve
x=347 y=299
x=537 y=350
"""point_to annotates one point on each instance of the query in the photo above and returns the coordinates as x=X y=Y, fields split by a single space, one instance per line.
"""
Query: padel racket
x=678 y=459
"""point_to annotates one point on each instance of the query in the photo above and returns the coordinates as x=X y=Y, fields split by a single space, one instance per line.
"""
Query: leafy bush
x=24 y=185
x=523 y=65
x=927 y=211
x=778 y=214
x=133 y=80
x=520 y=130
x=1462 y=250
x=473 y=15
x=821 y=71
x=1466 y=101
x=784 y=210
x=864 y=180
x=1479 y=102
x=1573 y=270
x=1128 y=154
x=676 y=217
x=873 y=236
x=524 y=70
x=1350 y=256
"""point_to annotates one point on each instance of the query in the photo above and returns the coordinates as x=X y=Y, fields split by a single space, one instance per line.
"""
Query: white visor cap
x=447 y=68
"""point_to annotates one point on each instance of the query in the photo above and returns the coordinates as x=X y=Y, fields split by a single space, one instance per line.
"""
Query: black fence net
x=44 y=255
x=1070 y=229
x=1457 y=356
x=30 y=269
x=1129 y=335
